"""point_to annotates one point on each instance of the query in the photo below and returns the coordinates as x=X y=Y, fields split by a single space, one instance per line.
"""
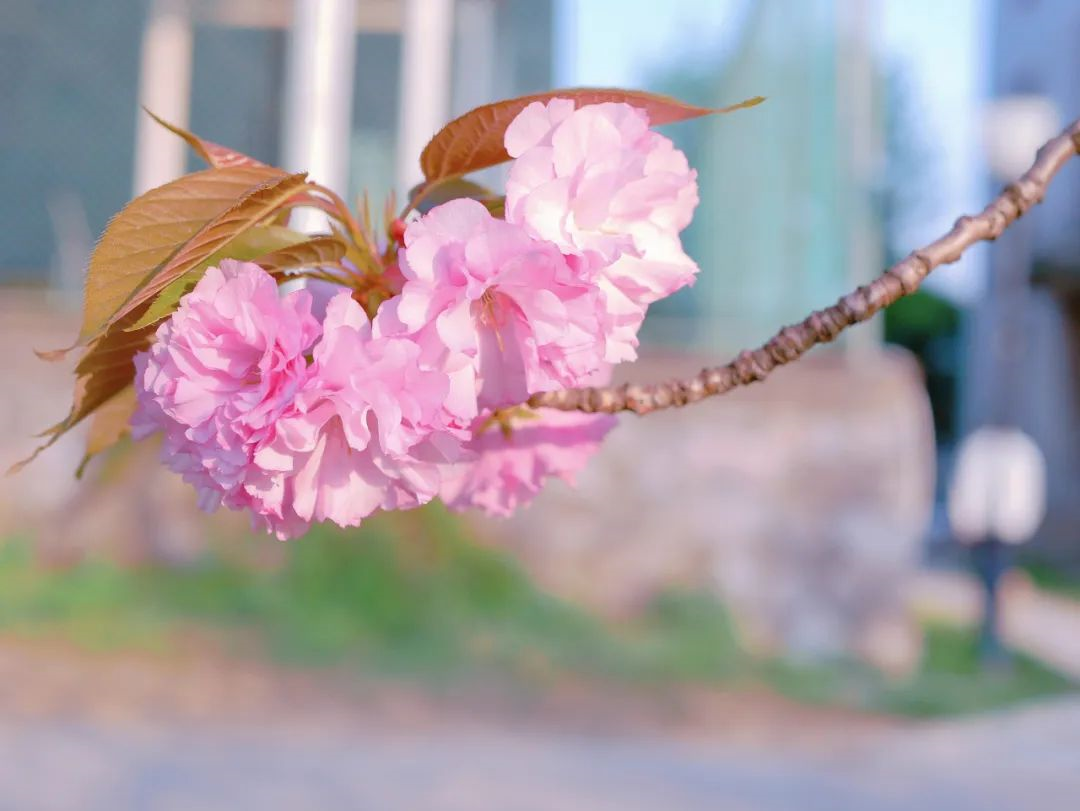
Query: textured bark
x=822 y=326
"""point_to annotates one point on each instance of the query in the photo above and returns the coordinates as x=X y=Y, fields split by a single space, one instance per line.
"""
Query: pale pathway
x=1019 y=761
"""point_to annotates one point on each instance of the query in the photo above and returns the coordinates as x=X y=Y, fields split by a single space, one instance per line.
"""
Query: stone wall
x=132 y=509
x=33 y=396
x=803 y=502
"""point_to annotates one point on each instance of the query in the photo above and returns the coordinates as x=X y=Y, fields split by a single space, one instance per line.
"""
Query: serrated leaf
x=475 y=140
x=106 y=368
x=216 y=155
x=253 y=207
x=151 y=229
x=110 y=424
x=248 y=246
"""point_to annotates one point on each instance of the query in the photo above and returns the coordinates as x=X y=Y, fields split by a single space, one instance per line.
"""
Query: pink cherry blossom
x=368 y=431
x=501 y=311
x=512 y=466
x=603 y=187
x=220 y=373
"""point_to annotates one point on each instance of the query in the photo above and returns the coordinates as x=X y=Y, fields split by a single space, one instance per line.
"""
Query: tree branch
x=822 y=326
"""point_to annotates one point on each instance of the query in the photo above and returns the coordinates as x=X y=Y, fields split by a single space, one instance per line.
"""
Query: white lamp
x=1014 y=127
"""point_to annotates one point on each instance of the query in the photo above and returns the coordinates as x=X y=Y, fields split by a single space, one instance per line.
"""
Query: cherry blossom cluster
x=299 y=408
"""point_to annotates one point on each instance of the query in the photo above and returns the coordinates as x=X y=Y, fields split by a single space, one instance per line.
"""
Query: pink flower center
x=491 y=315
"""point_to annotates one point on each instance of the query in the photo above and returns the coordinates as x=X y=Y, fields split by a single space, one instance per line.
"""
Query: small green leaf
x=248 y=246
x=168 y=299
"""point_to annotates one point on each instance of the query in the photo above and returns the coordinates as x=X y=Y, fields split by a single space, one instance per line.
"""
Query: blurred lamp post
x=997 y=499
x=997 y=495
x=1014 y=129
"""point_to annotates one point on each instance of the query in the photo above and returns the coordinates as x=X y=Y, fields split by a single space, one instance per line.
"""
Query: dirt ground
x=197 y=683
x=199 y=729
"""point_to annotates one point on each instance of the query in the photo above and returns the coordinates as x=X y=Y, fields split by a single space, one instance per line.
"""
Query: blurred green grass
x=1064 y=583
x=410 y=595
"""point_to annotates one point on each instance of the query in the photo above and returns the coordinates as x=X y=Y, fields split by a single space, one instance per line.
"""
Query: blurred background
x=774 y=600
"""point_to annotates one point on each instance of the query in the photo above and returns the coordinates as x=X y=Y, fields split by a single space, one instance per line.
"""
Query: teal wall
x=68 y=81
x=779 y=200
x=68 y=106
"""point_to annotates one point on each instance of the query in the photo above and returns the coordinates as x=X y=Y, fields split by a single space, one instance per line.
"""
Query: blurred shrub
x=951 y=679
x=929 y=326
x=410 y=595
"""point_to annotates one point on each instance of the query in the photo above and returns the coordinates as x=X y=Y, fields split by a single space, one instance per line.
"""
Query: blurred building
x=1024 y=352
x=788 y=219
x=75 y=73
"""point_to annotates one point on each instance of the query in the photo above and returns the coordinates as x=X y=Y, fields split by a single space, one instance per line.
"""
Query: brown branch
x=823 y=326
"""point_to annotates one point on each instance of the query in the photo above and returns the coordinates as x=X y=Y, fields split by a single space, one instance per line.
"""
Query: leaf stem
x=339 y=210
